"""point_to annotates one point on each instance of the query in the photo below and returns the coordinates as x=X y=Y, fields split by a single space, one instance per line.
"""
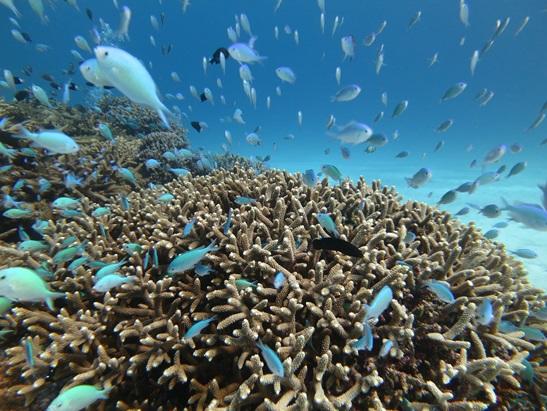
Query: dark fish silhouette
x=73 y=86
x=165 y=50
x=89 y=14
x=203 y=97
x=48 y=77
x=22 y=95
x=26 y=36
x=196 y=126
x=18 y=80
x=335 y=244
x=216 y=55
x=55 y=85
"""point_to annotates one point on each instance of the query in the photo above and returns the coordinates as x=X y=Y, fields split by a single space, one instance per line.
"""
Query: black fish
x=55 y=86
x=73 y=86
x=196 y=126
x=203 y=97
x=22 y=95
x=18 y=80
x=335 y=244
x=216 y=55
x=48 y=77
x=89 y=14
x=267 y=158
x=26 y=36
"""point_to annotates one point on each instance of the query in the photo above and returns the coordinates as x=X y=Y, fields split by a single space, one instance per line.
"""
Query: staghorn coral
x=132 y=337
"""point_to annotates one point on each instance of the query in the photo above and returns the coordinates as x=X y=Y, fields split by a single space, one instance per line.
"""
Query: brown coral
x=132 y=337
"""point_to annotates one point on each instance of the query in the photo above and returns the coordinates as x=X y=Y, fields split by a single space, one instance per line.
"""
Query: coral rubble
x=131 y=338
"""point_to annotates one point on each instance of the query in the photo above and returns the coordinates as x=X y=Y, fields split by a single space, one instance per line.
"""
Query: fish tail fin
x=53 y=296
x=22 y=131
x=505 y=204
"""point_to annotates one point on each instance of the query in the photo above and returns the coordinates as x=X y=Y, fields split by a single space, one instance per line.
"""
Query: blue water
x=515 y=68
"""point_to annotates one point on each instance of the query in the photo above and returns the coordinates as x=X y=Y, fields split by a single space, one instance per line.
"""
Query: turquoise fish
x=272 y=359
x=23 y=284
x=188 y=260
x=78 y=398
x=197 y=327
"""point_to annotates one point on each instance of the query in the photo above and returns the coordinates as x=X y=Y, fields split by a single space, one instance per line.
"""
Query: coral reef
x=132 y=337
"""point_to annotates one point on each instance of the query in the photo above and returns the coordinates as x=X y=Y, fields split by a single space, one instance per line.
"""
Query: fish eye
x=3 y=277
x=106 y=53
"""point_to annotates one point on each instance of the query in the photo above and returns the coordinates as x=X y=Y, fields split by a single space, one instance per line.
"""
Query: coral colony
x=231 y=286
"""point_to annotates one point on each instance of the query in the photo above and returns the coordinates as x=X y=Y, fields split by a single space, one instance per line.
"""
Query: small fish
x=501 y=224
x=531 y=215
x=441 y=289
x=532 y=333
x=415 y=19
x=491 y=234
x=29 y=354
x=421 y=177
x=336 y=244
x=272 y=359
x=215 y=59
x=386 y=348
x=328 y=224
x=454 y=91
x=524 y=253
x=366 y=342
x=444 y=126
x=243 y=283
x=77 y=263
x=353 y=133
x=286 y=74
x=25 y=285
x=106 y=283
x=65 y=203
x=15 y=213
x=241 y=200
x=402 y=154
x=108 y=269
x=522 y=25
x=485 y=312
x=490 y=210
x=517 y=169
x=188 y=260
x=332 y=172
x=203 y=270
x=279 y=280
x=400 y=108
x=197 y=327
x=78 y=397
x=166 y=197
x=33 y=246
x=379 y=304
x=188 y=227
x=68 y=254
x=228 y=222
x=347 y=93
x=54 y=141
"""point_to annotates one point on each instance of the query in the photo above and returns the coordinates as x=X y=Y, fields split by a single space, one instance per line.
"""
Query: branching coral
x=132 y=337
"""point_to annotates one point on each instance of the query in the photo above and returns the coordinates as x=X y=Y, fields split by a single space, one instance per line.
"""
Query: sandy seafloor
x=522 y=187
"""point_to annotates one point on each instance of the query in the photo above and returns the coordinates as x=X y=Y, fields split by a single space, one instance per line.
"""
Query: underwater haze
x=173 y=170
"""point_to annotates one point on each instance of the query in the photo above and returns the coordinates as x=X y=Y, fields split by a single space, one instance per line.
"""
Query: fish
x=131 y=78
x=490 y=211
x=378 y=140
x=332 y=172
x=400 y=108
x=445 y=125
x=441 y=289
x=491 y=234
x=228 y=222
x=286 y=74
x=532 y=216
x=474 y=61
x=279 y=280
x=402 y=154
x=366 y=341
x=420 y=178
x=348 y=47
x=353 y=133
x=272 y=359
x=379 y=116
x=328 y=224
x=245 y=53
x=106 y=283
x=448 y=197
x=241 y=200
x=122 y=33
x=386 y=348
x=92 y=73
x=485 y=312
x=188 y=227
x=188 y=260
x=78 y=262
x=11 y=6
x=109 y=269
x=454 y=91
x=434 y=59
x=517 y=169
x=243 y=283
x=33 y=246
x=501 y=224
x=216 y=57
x=347 y=93
x=309 y=178
x=522 y=25
x=464 y=13
x=78 y=397
x=539 y=119
x=336 y=244
x=198 y=326
x=415 y=20
x=24 y=284
x=495 y=154
x=203 y=270
x=379 y=304
x=524 y=253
